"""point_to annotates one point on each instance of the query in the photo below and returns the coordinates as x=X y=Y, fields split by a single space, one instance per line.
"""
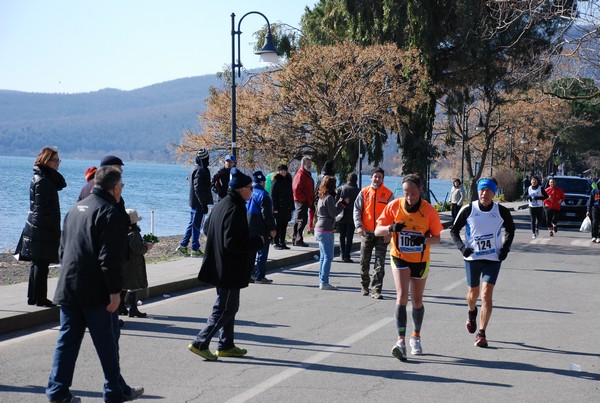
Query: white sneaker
x=415 y=345
x=327 y=286
x=534 y=236
x=399 y=350
x=597 y=240
x=593 y=239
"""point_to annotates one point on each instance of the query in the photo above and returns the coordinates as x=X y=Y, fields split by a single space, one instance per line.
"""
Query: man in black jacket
x=227 y=266
x=200 y=198
x=91 y=252
x=283 y=203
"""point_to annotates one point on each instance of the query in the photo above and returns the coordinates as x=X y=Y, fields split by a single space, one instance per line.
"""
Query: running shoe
x=232 y=352
x=593 y=239
x=597 y=240
x=480 y=340
x=263 y=280
x=376 y=295
x=182 y=250
x=399 y=350
x=206 y=354
x=533 y=236
x=415 y=345
x=551 y=233
x=197 y=253
x=327 y=286
x=472 y=321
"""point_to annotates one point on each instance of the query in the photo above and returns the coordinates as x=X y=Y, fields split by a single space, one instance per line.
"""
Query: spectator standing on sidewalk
x=552 y=206
x=88 y=289
x=328 y=208
x=303 y=187
x=262 y=224
x=40 y=238
x=368 y=206
x=327 y=170
x=535 y=194
x=457 y=196
x=89 y=182
x=135 y=277
x=226 y=265
x=283 y=203
x=220 y=182
x=483 y=251
x=414 y=225
x=200 y=198
x=594 y=213
x=346 y=223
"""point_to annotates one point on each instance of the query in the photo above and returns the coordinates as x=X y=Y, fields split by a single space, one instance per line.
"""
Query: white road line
x=581 y=242
x=540 y=241
x=288 y=373
x=451 y=286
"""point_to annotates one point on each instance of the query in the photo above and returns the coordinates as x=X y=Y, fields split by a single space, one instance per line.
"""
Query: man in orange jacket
x=368 y=206
x=303 y=187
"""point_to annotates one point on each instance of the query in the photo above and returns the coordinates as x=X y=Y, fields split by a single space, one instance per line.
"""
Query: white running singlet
x=484 y=232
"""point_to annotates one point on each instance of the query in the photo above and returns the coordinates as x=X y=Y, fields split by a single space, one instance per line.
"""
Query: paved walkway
x=164 y=278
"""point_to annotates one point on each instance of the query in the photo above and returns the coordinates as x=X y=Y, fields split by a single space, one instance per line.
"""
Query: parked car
x=577 y=193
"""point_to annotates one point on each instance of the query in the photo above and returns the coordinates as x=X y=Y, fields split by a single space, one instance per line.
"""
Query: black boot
x=122 y=307
x=133 y=309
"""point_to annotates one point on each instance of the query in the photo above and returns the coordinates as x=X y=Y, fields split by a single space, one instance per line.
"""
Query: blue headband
x=486 y=184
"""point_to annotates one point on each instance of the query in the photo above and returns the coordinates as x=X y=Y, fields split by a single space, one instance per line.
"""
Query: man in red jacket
x=303 y=187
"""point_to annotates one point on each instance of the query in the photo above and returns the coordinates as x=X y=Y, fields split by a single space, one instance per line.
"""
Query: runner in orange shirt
x=415 y=225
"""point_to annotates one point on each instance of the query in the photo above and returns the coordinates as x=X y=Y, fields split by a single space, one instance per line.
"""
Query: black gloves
x=396 y=227
x=503 y=253
x=417 y=240
x=466 y=251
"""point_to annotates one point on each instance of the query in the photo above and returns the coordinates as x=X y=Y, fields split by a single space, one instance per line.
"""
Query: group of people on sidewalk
x=101 y=254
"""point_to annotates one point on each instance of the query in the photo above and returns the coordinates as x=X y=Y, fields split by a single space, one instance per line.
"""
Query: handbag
x=586 y=225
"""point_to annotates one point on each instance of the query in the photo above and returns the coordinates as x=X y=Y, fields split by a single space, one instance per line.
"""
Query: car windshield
x=573 y=185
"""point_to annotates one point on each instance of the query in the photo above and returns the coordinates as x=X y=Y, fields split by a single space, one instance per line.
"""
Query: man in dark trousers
x=227 y=266
x=200 y=198
x=220 y=181
x=88 y=289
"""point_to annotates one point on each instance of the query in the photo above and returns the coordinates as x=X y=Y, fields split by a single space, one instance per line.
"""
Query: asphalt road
x=307 y=345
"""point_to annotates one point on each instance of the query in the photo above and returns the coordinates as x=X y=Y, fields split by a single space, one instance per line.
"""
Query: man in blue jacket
x=227 y=266
x=261 y=223
x=92 y=256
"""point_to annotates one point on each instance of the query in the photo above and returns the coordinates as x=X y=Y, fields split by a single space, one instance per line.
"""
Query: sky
x=73 y=46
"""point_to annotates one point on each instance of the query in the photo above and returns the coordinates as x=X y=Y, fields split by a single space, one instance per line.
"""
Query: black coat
x=228 y=244
x=282 y=195
x=200 y=193
x=41 y=235
x=349 y=190
x=91 y=251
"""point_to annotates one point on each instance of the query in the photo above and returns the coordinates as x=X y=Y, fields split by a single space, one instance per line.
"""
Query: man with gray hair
x=303 y=187
x=88 y=290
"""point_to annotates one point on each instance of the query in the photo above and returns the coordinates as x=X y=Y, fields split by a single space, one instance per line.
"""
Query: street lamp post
x=267 y=54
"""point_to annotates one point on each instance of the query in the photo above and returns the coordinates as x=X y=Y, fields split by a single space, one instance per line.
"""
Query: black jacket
x=351 y=191
x=200 y=194
x=228 y=244
x=220 y=182
x=41 y=235
x=282 y=195
x=91 y=252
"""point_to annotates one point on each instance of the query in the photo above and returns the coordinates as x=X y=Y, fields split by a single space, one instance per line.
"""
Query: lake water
x=150 y=187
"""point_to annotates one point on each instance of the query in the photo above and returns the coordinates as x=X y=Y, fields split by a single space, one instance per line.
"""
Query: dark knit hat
x=282 y=167
x=258 y=177
x=238 y=179
x=202 y=153
x=111 y=160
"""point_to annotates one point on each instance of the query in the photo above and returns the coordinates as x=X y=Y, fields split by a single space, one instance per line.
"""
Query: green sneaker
x=206 y=354
x=232 y=352
x=197 y=253
x=182 y=250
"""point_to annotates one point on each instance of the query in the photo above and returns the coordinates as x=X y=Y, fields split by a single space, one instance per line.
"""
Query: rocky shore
x=13 y=271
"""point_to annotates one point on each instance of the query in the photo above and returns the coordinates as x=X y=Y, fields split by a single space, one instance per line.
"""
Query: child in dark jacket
x=134 y=273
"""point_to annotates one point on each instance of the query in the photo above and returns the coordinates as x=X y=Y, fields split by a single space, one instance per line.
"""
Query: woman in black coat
x=283 y=204
x=41 y=236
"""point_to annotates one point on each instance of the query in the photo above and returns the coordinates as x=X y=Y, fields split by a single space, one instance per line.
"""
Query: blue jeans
x=193 y=229
x=326 y=240
x=258 y=271
x=222 y=318
x=105 y=332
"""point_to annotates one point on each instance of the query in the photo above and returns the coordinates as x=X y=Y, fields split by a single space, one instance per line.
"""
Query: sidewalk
x=164 y=278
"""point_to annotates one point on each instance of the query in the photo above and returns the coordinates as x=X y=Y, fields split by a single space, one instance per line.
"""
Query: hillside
x=137 y=124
